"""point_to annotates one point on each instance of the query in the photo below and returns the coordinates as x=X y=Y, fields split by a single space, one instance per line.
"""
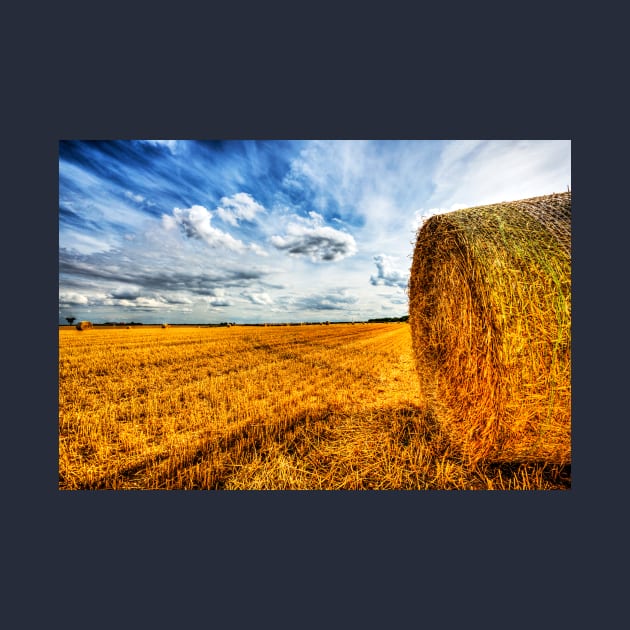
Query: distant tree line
x=384 y=320
x=378 y=320
x=71 y=320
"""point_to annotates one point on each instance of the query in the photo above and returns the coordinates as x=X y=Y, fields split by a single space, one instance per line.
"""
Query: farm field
x=257 y=408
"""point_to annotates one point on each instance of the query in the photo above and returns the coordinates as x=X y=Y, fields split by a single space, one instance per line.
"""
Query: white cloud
x=171 y=145
x=258 y=297
x=241 y=206
x=71 y=298
x=257 y=249
x=169 y=222
x=421 y=215
x=387 y=273
x=133 y=197
x=195 y=223
x=310 y=238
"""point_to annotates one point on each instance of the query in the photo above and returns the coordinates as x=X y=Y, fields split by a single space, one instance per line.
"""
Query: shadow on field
x=210 y=464
x=397 y=447
x=213 y=466
x=389 y=448
x=550 y=476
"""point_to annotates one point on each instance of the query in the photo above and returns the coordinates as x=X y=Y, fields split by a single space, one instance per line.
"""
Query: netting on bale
x=490 y=317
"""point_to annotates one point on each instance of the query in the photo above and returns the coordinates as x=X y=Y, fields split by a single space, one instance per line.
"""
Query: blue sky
x=186 y=231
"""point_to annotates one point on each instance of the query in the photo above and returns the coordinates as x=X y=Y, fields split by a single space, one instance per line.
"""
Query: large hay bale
x=164 y=325
x=490 y=316
x=84 y=325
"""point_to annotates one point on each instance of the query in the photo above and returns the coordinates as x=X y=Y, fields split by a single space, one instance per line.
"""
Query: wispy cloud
x=470 y=173
x=238 y=207
x=171 y=145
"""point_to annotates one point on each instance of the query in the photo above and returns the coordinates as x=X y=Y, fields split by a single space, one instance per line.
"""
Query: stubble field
x=242 y=407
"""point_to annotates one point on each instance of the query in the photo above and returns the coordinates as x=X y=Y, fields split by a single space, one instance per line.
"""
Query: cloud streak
x=334 y=301
x=103 y=269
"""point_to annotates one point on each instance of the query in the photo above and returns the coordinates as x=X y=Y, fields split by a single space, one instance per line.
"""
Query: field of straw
x=490 y=315
x=306 y=407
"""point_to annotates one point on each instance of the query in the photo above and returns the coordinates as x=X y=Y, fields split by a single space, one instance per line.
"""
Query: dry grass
x=490 y=313
x=300 y=407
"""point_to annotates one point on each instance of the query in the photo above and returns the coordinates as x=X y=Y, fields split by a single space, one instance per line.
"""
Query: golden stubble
x=244 y=407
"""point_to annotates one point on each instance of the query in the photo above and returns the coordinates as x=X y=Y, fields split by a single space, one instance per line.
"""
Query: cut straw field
x=304 y=407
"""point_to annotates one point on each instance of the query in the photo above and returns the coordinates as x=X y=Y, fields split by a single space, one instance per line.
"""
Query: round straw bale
x=164 y=325
x=84 y=325
x=490 y=318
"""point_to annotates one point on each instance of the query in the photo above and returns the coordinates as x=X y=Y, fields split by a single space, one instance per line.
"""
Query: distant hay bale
x=490 y=317
x=84 y=325
x=164 y=325
x=128 y=327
